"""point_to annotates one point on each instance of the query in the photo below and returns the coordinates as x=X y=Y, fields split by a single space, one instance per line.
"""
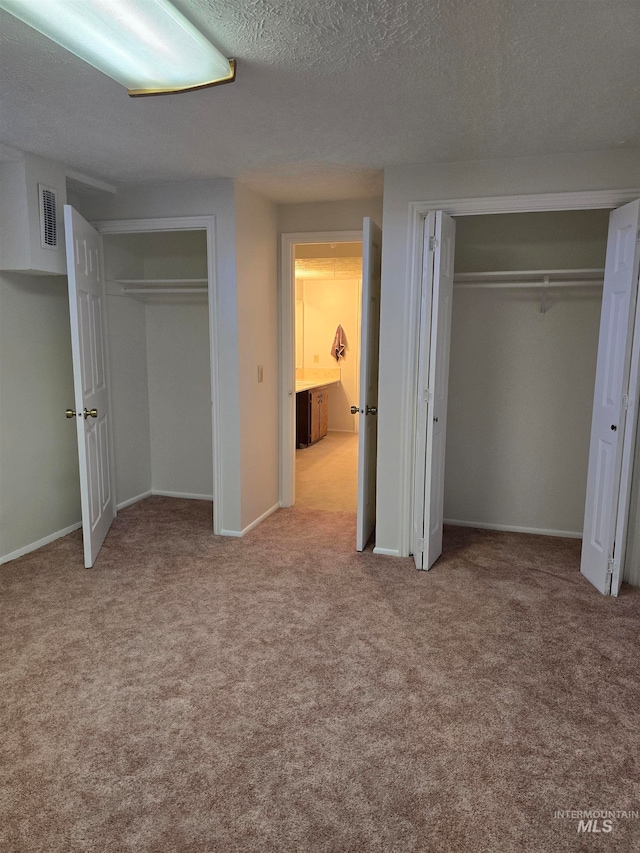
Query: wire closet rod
x=518 y=285
x=151 y=291
x=516 y=279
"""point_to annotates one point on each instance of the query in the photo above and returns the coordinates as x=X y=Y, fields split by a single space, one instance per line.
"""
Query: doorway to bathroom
x=330 y=308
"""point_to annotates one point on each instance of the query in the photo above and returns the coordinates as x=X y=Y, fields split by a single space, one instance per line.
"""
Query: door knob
x=93 y=413
x=354 y=410
x=371 y=410
x=614 y=427
x=70 y=413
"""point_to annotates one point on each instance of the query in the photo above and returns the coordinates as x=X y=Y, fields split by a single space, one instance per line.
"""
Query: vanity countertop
x=308 y=384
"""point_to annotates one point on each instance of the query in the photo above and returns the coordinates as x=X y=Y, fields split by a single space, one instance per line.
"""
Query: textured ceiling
x=329 y=93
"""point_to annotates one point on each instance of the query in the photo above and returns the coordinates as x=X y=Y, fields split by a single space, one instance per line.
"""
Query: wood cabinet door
x=303 y=411
x=323 y=411
x=314 y=404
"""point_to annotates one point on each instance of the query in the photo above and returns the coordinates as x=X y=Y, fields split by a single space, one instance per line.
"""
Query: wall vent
x=48 y=217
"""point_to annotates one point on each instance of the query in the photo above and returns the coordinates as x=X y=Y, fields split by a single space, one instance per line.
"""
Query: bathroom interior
x=328 y=295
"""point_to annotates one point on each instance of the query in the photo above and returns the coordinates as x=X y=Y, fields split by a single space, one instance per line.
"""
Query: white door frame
x=418 y=210
x=191 y=223
x=287 y=336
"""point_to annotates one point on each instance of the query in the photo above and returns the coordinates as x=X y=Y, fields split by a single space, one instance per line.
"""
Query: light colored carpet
x=283 y=693
x=327 y=473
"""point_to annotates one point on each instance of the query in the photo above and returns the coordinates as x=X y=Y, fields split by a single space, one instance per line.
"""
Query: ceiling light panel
x=148 y=46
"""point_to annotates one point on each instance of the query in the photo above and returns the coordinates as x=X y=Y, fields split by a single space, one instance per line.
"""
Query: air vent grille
x=48 y=218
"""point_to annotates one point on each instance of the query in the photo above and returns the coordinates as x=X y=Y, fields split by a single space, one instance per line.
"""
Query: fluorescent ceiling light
x=147 y=45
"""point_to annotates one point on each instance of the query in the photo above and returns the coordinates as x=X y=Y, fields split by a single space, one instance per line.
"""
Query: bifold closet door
x=614 y=407
x=90 y=365
x=433 y=382
x=369 y=354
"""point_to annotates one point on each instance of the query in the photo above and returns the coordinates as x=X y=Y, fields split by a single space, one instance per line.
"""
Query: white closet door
x=369 y=349
x=433 y=382
x=90 y=365
x=614 y=404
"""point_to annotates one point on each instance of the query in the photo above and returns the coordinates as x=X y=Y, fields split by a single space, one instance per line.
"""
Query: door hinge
x=420 y=545
x=610 y=565
x=433 y=243
x=427 y=395
x=625 y=402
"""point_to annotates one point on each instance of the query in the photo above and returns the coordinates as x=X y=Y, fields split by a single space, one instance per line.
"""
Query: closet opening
x=328 y=296
x=158 y=323
x=527 y=296
x=534 y=429
x=517 y=449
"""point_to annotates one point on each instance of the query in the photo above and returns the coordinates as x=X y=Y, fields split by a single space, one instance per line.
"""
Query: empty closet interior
x=160 y=369
x=524 y=341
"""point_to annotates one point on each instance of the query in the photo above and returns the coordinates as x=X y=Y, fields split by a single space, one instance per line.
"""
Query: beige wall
x=328 y=215
x=39 y=485
x=562 y=239
x=127 y=334
x=177 y=338
x=519 y=416
x=257 y=300
x=328 y=303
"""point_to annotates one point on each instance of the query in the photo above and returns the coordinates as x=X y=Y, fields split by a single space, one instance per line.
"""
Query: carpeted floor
x=284 y=693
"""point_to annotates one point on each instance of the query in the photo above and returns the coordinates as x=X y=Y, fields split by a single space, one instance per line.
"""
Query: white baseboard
x=165 y=494
x=387 y=552
x=186 y=495
x=33 y=546
x=511 y=528
x=345 y=431
x=239 y=533
x=260 y=518
x=132 y=501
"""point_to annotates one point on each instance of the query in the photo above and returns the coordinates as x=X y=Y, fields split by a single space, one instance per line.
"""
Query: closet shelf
x=158 y=286
x=530 y=278
x=152 y=282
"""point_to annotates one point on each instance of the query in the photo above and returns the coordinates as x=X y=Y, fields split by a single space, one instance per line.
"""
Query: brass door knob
x=70 y=413
x=354 y=410
x=90 y=414
x=371 y=410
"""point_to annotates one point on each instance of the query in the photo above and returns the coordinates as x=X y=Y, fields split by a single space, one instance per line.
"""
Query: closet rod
x=518 y=285
x=146 y=291
x=159 y=281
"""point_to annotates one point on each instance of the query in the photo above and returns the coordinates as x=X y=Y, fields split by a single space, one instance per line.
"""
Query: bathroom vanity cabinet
x=312 y=415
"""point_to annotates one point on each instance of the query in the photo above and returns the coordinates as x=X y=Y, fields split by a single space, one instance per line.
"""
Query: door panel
x=324 y=412
x=88 y=342
x=315 y=416
x=369 y=348
x=608 y=481
x=433 y=387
